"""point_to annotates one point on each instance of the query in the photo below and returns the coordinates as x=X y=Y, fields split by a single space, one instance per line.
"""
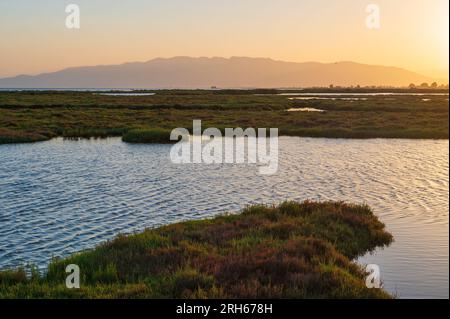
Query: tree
x=412 y=86
x=434 y=85
x=424 y=85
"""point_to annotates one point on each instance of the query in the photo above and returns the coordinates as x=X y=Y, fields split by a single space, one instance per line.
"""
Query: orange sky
x=413 y=33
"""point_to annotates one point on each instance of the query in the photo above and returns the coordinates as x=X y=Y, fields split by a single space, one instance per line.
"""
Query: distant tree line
x=425 y=85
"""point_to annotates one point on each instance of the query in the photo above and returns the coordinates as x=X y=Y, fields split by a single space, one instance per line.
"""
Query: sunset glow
x=413 y=34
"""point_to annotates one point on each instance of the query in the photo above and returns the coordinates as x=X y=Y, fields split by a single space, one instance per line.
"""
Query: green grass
x=294 y=250
x=35 y=116
x=157 y=136
x=8 y=136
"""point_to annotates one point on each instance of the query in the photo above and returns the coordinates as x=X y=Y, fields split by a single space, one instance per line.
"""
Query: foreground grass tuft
x=294 y=250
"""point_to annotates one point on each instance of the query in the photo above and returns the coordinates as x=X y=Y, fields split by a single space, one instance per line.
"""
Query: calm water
x=58 y=197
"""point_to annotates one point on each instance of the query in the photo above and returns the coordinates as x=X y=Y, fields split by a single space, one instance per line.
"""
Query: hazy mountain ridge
x=235 y=72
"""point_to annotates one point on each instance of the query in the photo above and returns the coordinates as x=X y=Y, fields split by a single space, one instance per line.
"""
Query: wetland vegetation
x=31 y=116
x=294 y=250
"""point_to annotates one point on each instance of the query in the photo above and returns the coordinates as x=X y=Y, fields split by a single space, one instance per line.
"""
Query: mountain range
x=235 y=72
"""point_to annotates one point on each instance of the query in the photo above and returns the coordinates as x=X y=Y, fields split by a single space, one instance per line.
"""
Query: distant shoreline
x=337 y=90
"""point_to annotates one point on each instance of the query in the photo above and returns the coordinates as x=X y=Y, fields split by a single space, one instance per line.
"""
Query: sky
x=413 y=34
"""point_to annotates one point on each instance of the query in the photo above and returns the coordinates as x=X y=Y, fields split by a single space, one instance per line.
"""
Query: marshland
x=294 y=250
x=69 y=198
x=28 y=116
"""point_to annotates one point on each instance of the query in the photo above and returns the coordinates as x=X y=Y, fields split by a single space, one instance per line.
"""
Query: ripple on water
x=59 y=197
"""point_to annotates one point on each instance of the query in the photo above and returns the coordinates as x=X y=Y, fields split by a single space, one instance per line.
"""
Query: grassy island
x=294 y=250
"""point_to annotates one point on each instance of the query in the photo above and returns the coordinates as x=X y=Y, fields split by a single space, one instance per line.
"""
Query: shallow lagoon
x=61 y=196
